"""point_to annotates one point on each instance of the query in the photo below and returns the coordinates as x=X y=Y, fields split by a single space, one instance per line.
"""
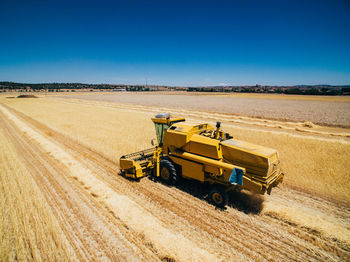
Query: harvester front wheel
x=167 y=172
x=218 y=197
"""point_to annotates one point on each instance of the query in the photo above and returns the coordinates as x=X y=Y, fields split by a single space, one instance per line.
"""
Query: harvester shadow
x=243 y=201
x=246 y=202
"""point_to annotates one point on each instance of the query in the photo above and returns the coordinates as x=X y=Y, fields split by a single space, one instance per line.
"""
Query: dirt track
x=126 y=220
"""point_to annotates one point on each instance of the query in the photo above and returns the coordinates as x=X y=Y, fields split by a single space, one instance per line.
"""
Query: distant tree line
x=44 y=86
x=295 y=90
x=292 y=90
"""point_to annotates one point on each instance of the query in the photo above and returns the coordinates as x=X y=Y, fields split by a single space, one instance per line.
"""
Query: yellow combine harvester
x=205 y=154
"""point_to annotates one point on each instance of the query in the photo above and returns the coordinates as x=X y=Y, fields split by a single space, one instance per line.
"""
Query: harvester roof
x=189 y=128
x=166 y=118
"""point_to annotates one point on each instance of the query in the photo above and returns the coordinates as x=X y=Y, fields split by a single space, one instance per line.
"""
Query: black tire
x=168 y=172
x=218 y=197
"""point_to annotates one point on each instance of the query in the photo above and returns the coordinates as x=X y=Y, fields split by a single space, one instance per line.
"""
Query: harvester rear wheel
x=218 y=197
x=168 y=172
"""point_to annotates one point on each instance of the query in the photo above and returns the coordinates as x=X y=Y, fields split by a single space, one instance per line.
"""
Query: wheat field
x=319 y=110
x=319 y=166
x=28 y=229
x=59 y=162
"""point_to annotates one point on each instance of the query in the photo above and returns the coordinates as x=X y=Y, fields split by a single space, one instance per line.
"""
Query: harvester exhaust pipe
x=217 y=134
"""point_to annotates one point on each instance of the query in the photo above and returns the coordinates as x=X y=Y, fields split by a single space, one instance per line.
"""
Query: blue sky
x=282 y=42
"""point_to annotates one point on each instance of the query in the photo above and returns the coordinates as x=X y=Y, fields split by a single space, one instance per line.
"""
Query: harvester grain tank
x=206 y=154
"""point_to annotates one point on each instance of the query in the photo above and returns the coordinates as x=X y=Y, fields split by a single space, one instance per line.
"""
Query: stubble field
x=67 y=151
x=319 y=110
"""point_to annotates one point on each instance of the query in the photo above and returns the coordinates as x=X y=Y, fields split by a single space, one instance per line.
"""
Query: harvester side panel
x=256 y=159
x=189 y=169
x=204 y=146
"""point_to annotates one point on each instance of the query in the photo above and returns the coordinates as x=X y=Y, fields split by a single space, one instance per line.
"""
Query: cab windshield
x=160 y=130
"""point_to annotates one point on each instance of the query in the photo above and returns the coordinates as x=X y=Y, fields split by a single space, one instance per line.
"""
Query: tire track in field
x=272 y=237
x=89 y=231
x=224 y=228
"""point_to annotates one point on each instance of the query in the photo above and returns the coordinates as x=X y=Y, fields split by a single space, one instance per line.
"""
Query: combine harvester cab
x=205 y=154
